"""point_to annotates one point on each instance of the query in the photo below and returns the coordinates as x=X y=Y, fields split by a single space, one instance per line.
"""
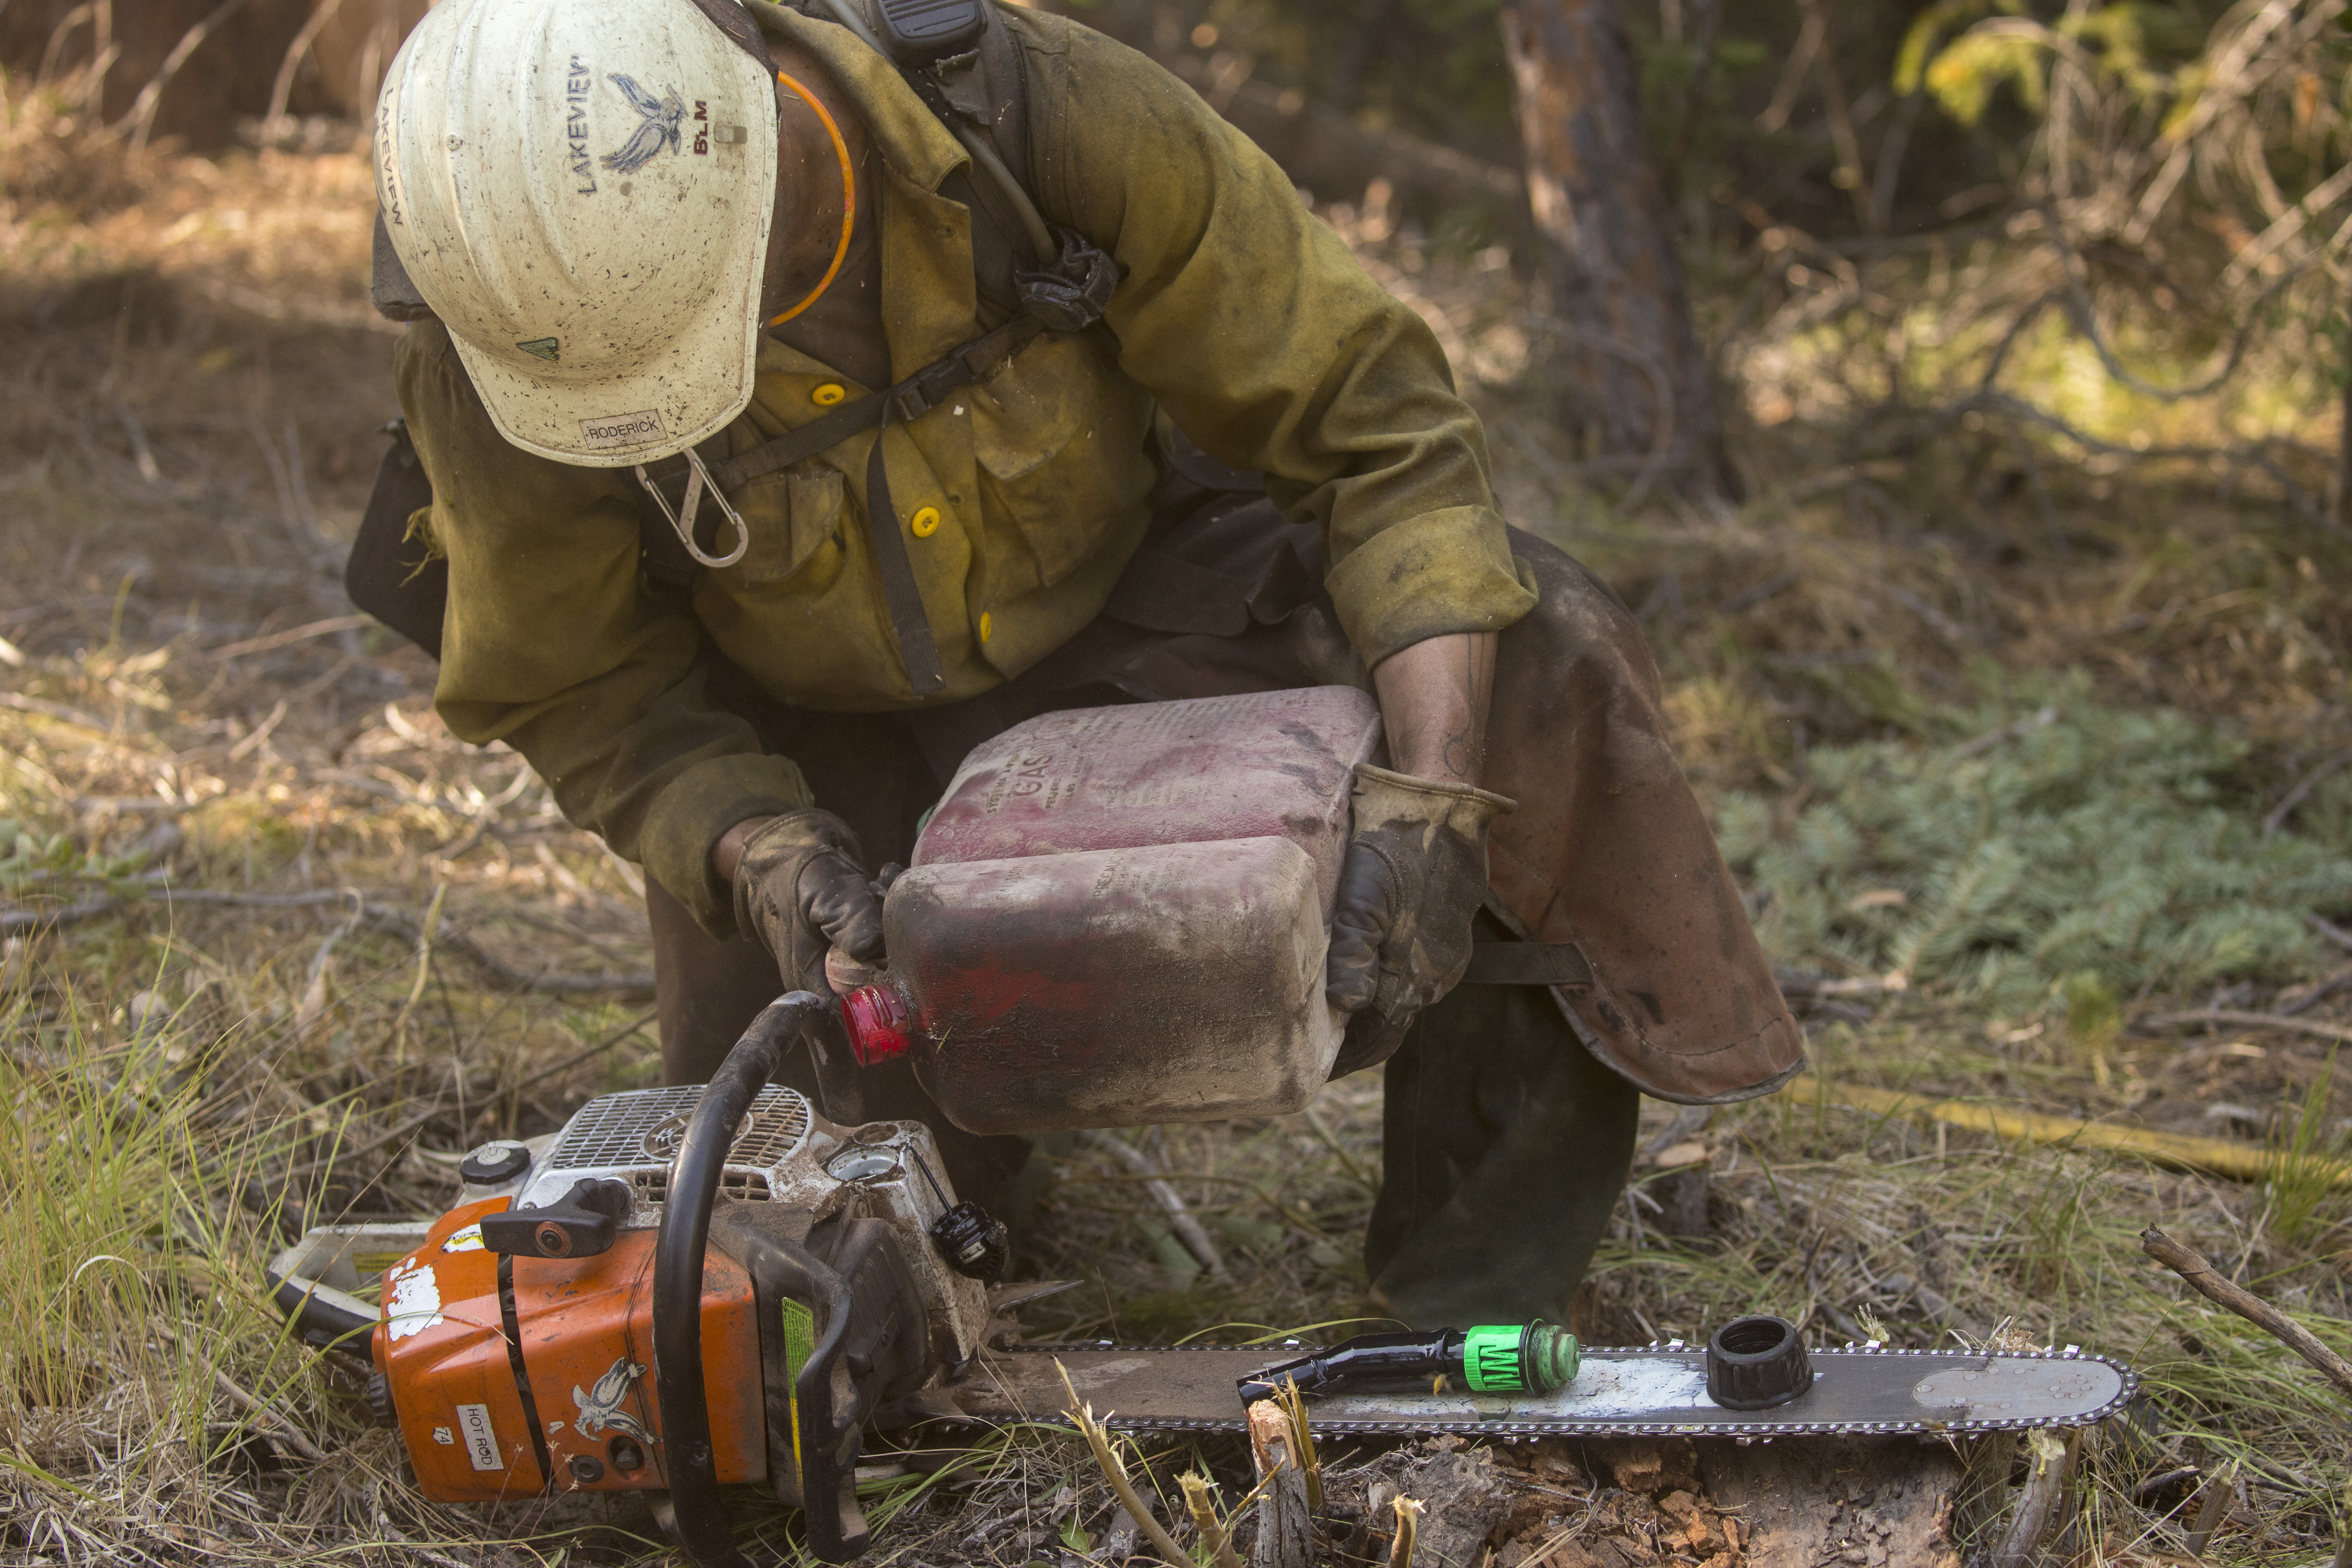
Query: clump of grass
x=2303 y=1202
x=140 y=1378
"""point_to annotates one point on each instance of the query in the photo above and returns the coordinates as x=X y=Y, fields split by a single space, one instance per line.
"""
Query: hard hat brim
x=636 y=417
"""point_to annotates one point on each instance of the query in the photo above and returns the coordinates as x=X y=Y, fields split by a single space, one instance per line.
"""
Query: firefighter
x=1014 y=383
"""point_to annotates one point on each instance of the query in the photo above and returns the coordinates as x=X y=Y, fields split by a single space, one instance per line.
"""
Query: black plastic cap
x=973 y=1241
x=494 y=1165
x=1755 y=1363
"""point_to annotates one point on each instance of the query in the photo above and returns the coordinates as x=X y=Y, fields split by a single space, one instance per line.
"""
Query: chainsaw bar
x=1655 y=1391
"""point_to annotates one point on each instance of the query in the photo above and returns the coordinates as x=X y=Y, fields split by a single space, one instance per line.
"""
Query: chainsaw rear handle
x=678 y=1250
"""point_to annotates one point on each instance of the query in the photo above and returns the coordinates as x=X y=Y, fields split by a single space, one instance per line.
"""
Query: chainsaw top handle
x=679 y=1251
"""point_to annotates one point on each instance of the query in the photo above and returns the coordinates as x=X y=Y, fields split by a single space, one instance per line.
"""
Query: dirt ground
x=389 y=946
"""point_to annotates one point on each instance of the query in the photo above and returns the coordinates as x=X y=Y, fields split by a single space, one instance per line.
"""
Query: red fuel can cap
x=878 y=1023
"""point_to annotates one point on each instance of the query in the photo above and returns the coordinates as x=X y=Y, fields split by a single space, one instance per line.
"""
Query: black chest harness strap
x=1064 y=292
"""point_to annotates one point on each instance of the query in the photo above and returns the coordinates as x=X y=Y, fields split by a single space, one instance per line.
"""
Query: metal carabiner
x=682 y=519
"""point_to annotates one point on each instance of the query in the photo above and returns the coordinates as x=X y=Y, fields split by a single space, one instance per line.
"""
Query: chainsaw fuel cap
x=1755 y=1363
x=494 y=1165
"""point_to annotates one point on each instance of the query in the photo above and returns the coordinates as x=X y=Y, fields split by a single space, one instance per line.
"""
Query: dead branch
x=2220 y=1156
x=1180 y=1218
x=2302 y=792
x=2201 y=1277
x=282 y=88
x=2215 y=1498
x=514 y=976
x=1662 y=437
x=2331 y=930
x=140 y=116
x=267 y=1420
x=2239 y=1015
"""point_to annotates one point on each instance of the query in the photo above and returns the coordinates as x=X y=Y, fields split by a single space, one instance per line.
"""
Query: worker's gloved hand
x=799 y=889
x=1414 y=876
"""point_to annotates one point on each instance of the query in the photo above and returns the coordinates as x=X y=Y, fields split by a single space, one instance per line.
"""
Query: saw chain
x=1654 y=1391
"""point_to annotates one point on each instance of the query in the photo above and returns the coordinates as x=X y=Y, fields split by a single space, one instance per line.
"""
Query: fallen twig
x=2215 y=1156
x=2040 y=720
x=2302 y=792
x=272 y=1424
x=1114 y=1470
x=375 y=915
x=2201 y=1277
x=1180 y=1219
x=56 y=710
x=2251 y=1020
x=299 y=634
x=2331 y=930
x=2304 y=998
x=407 y=1129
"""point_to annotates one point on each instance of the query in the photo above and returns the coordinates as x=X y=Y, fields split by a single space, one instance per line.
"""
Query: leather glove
x=800 y=890
x=1414 y=875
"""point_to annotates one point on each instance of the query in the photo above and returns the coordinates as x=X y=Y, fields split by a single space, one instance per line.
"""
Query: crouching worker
x=804 y=403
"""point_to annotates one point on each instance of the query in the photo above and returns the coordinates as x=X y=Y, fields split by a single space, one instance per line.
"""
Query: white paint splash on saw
x=413 y=1303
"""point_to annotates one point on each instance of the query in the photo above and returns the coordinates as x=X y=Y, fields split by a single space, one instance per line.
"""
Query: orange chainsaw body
x=446 y=1346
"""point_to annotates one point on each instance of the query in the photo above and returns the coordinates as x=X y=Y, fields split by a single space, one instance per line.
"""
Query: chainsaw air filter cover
x=1755 y=1363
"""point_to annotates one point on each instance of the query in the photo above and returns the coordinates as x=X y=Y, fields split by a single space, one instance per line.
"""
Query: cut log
x=1286 y=1530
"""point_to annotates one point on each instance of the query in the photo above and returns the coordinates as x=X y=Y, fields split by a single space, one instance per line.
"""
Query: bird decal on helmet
x=658 y=126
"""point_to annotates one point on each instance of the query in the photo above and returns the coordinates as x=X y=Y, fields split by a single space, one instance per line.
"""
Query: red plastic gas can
x=1119 y=915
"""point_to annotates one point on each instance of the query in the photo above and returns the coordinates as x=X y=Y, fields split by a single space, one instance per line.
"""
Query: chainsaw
x=689 y=1288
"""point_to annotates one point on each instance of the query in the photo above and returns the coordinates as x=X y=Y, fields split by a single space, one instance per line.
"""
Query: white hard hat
x=580 y=190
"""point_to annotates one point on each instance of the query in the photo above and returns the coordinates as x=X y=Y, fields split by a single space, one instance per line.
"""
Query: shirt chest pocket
x=795 y=518
x=1038 y=433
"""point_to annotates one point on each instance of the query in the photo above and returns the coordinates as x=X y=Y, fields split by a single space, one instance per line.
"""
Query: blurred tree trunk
x=1638 y=394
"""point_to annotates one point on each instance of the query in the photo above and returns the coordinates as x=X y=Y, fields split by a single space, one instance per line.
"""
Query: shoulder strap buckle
x=1070 y=294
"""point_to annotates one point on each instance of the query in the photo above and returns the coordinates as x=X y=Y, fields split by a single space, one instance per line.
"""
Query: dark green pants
x=1504 y=1148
